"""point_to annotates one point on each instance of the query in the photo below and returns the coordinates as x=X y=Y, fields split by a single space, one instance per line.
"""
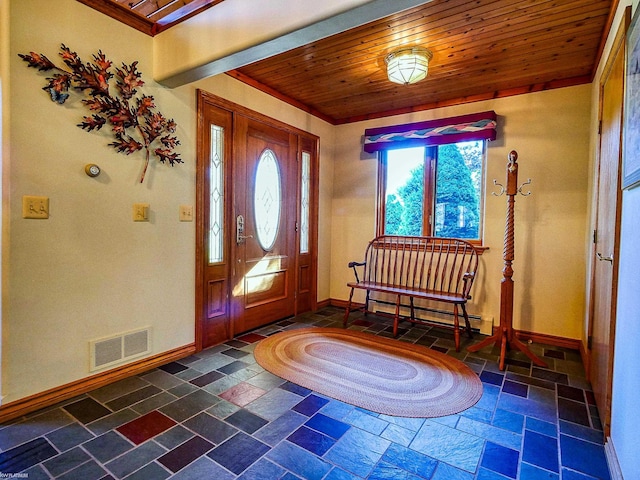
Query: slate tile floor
x=218 y=415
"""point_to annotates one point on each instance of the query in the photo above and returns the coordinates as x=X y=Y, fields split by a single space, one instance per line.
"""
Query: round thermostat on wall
x=92 y=170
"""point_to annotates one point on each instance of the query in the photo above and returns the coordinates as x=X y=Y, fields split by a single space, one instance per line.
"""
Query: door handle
x=604 y=259
x=240 y=236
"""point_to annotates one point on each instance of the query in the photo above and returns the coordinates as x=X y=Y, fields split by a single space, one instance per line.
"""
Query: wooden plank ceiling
x=482 y=49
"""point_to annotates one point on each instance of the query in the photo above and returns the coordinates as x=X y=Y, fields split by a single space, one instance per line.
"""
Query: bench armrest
x=355 y=271
x=468 y=278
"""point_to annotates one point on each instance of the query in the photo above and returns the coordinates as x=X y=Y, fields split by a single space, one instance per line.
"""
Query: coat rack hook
x=502 y=189
x=528 y=182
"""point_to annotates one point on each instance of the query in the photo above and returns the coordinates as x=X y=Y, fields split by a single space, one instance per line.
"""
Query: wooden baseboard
x=612 y=460
x=551 y=340
x=55 y=395
x=521 y=334
x=325 y=303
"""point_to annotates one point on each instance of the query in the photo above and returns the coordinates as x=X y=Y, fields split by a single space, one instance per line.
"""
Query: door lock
x=240 y=236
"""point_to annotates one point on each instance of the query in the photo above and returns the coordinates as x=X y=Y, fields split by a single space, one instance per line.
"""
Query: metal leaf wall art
x=132 y=118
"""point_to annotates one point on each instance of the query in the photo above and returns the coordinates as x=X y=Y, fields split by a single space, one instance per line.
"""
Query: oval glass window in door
x=267 y=199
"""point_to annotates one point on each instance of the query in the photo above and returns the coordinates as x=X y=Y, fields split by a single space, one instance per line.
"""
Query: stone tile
x=66 y=461
x=242 y=394
x=513 y=422
x=150 y=471
x=299 y=461
x=202 y=468
x=541 y=451
x=238 y=453
x=232 y=367
x=273 y=404
x=583 y=456
x=68 y=437
x=281 y=427
x=496 y=435
x=87 y=410
x=263 y=470
x=398 y=434
x=246 y=421
x=311 y=440
x=189 y=405
x=327 y=425
x=153 y=403
x=33 y=427
x=181 y=456
x=118 y=389
x=173 y=368
x=357 y=451
x=448 y=472
x=133 y=397
x=87 y=471
x=223 y=409
x=501 y=459
x=206 y=379
x=460 y=449
x=148 y=426
x=26 y=455
x=107 y=446
x=310 y=405
x=135 y=459
x=266 y=380
x=410 y=461
x=162 y=379
x=112 y=421
x=210 y=428
x=174 y=437
x=366 y=422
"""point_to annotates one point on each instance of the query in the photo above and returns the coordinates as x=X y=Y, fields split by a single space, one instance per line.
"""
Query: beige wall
x=550 y=131
x=89 y=271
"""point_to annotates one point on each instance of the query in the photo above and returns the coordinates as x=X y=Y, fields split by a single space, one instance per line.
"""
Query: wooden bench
x=431 y=268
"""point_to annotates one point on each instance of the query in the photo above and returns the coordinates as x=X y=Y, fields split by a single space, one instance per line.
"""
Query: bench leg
x=456 y=327
x=413 y=315
x=466 y=321
x=396 y=318
x=366 y=304
x=348 y=309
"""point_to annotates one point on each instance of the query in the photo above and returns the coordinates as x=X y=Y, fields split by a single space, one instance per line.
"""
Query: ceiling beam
x=352 y=18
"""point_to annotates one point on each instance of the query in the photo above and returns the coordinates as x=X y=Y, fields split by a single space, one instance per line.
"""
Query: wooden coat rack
x=505 y=337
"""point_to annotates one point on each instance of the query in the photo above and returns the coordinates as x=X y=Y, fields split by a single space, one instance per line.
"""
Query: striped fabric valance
x=478 y=126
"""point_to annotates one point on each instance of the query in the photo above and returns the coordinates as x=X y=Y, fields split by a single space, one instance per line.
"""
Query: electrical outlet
x=140 y=212
x=186 y=213
x=35 y=207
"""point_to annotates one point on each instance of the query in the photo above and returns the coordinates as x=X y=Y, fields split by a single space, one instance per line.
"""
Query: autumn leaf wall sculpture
x=134 y=123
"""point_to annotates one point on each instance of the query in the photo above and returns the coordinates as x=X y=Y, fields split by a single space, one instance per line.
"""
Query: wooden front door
x=256 y=220
x=264 y=205
x=606 y=234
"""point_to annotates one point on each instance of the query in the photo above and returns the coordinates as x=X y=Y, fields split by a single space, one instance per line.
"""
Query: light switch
x=35 y=207
x=140 y=212
x=186 y=213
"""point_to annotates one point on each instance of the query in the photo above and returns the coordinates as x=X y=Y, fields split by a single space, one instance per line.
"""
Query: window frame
x=429 y=191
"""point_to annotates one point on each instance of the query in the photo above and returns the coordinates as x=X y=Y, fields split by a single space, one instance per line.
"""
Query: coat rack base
x=505 y=339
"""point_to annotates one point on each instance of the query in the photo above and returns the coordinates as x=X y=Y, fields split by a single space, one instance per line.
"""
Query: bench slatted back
x=445 y=265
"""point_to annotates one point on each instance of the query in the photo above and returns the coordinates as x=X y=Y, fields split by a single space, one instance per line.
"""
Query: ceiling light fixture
x=409 y=65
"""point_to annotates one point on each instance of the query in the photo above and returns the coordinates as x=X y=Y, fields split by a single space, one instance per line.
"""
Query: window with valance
x=431 y=175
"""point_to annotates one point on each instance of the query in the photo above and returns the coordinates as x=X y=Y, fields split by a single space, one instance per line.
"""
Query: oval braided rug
x=380 y=374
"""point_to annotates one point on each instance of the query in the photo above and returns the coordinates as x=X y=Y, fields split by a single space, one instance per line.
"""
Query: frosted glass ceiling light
x=409 y=65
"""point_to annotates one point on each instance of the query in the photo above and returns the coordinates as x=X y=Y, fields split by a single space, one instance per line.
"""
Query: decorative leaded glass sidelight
x=267 y=199
x=216 y=188
x=305 y=202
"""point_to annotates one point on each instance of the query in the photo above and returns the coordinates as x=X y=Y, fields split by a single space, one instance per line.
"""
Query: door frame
x=618 y=48
x=305 y=284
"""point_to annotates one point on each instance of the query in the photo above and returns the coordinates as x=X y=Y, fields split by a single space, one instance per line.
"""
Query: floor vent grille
x=119 y=349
